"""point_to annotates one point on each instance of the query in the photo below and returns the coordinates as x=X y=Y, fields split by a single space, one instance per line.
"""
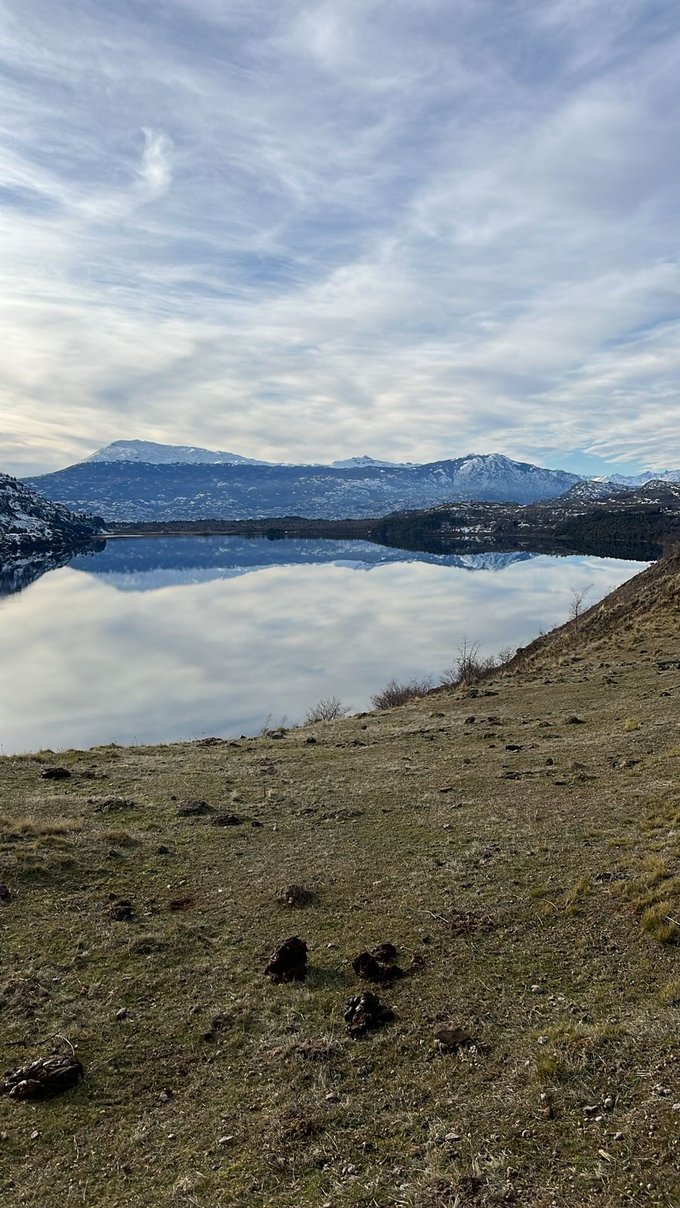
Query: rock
x=311 y=741
x=368 y=968
x=365 y=1012
x=227 y=820
x=296 y=895
x=453 y=1039
x=123 y=1013
x=573 y=720
x=55 y=774
x=5 y=895
x=288 y=962
x=121 y=909
x=193 y=809
x=42 y=1078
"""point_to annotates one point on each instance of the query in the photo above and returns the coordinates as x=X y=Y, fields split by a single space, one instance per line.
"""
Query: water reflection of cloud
x=83 y=664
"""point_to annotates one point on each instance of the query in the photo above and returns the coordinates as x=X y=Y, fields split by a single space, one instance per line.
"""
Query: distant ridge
x=119 y=484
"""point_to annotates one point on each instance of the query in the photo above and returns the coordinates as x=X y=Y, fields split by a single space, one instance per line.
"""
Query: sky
x=302 y=231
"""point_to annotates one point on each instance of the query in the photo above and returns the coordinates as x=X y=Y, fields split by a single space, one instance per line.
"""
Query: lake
x=157 y=639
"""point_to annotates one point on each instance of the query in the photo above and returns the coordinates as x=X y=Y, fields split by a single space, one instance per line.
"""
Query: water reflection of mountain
x=138 y=564
x=19 y=573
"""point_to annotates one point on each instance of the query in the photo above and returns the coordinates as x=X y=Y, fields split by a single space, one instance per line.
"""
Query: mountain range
x=187 y=483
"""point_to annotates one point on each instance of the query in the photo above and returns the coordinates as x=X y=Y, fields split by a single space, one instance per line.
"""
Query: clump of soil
x=288 y=962
x=372 y=966
x=193 y=809
x=296 y=896
x=43 y=1078
x=111 y=805
x=121 y=909
x=453 y=1039
x=365 y=1012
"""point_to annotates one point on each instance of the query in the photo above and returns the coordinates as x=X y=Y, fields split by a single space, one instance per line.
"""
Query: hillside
x=141 y=491
x=30 y=524
x=516 y=841
x=589 y=517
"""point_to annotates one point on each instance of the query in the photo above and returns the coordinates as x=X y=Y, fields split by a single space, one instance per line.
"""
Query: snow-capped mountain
x=150 y=453
x=30 y=523
x=137 y=490
x=639 y=480
x=352 y=463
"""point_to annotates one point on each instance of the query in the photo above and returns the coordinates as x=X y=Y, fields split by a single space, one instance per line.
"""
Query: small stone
x=536 y=989
x=609 y=1103
x=332 y=1097
x=122 y=1014
x=4 y=1136
x=452 y=1137
x=5 y=894
x=226 y=1140
x=526 y=1133
x=35 y=1135
x=590 y=1109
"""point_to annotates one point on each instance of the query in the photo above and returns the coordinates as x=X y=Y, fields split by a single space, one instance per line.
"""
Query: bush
x=329 y=708
x=395 y=693
x=470 y=666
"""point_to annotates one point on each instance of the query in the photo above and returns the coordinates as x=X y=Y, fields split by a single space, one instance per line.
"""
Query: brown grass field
x=519 y=843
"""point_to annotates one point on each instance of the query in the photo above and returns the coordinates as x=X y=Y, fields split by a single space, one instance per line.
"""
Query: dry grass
x=516 y=890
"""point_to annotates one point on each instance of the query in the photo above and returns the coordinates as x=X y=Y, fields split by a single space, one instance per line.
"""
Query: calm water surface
x=161 y=639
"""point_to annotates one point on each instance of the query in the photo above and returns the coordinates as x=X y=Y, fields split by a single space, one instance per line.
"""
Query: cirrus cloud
x=303 y=232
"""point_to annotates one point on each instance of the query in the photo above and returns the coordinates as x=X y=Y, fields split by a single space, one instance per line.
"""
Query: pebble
x=609 y=1103
x=122 y=1014
x=35 y=1135
x=536 y=989
x=332 y=1097
x=225 y=1140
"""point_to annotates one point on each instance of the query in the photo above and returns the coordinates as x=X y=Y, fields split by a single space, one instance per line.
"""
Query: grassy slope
x=551 y=867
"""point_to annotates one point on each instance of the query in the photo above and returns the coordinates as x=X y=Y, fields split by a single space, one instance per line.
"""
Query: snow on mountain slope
x=28 y=522
x=156 y=491
x=353 y=463
x=153 y=454
x=639 y=480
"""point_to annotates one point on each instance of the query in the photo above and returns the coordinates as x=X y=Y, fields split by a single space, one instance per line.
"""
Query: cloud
x=304 y=232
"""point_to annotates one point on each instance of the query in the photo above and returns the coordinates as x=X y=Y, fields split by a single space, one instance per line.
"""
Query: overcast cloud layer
x=300 y=231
